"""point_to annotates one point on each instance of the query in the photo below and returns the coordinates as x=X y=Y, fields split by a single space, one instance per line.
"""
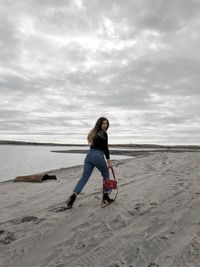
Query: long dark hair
x=92 y=133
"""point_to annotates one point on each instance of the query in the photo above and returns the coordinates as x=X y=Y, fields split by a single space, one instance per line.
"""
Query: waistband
x=97 y=149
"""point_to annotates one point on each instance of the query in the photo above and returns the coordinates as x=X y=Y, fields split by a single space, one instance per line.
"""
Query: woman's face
x=104 y=126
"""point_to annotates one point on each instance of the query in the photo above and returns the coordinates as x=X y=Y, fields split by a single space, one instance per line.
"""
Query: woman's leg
x=87 y=171
x=101 y=165
x=103 y=168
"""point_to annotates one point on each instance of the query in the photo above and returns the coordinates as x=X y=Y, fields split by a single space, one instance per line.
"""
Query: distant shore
x=10 y=142
x=133 y=153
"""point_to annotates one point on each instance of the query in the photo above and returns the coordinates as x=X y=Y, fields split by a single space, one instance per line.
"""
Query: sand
x=155 y=220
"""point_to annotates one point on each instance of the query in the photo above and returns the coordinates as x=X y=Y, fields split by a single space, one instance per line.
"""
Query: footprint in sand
x=131 y=212
x=153 y=203
x=155 y=220
x=163 y=237
x=25 y=219
x=138 y=206
x=7 y=237
x=153 y=264
x=60 y=209
x=2 y=231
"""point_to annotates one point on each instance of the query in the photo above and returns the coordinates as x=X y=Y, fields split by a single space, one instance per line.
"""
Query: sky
x=64 y=64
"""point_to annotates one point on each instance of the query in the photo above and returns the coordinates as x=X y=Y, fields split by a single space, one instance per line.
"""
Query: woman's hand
x=109 y=163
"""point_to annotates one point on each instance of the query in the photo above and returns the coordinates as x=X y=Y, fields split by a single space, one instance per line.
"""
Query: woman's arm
x=109 y=162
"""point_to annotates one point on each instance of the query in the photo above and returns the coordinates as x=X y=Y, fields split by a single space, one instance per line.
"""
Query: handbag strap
x=113 y=173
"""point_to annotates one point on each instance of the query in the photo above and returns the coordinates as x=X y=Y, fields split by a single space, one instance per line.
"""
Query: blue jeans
x=94 y=158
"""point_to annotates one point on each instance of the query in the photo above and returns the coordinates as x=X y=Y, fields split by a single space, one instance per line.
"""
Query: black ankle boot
x=70 y=201
x=107 y=198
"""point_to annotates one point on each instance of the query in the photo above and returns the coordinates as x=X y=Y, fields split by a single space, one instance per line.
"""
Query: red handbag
x=110 y=183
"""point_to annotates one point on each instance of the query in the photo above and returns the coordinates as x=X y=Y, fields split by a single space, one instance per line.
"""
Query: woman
x=98 y=140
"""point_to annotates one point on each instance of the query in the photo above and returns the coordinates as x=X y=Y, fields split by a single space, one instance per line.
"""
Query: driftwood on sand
x=35 y=178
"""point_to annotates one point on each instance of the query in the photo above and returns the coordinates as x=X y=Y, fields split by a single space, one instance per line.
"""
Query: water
x=17 y=160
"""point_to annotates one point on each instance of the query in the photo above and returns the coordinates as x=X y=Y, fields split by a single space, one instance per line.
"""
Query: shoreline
x=128 y=153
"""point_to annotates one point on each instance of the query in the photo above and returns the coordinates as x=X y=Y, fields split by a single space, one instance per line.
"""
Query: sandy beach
x=155 y=221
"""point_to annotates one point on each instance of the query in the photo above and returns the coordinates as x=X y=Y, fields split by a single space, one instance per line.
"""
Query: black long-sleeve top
x=101 y=142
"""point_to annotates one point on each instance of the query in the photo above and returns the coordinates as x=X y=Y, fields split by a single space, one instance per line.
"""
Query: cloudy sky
x=65 y=63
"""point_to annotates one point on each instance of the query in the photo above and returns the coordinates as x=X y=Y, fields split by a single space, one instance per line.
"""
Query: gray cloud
x=64 y=64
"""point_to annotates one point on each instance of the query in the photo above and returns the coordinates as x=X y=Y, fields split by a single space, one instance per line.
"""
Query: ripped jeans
x=94 y=158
